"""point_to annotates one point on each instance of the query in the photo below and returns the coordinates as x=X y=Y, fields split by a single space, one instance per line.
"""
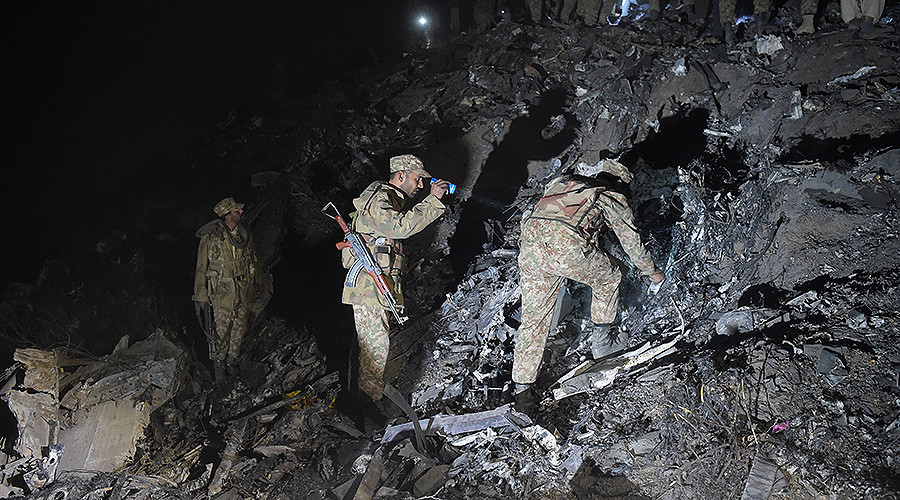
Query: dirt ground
x=765 y=186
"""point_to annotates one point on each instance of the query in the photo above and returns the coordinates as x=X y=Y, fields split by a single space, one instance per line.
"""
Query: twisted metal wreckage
x=767 y=365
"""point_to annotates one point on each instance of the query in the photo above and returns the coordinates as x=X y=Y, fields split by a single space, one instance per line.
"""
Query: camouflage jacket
x=586 y=209
x=382 y=221
x=226 y=273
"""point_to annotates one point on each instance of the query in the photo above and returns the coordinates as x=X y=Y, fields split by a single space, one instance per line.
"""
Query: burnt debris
x=767 y=364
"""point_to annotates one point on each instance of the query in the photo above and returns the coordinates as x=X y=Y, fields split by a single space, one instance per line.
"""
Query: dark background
x=105 y=102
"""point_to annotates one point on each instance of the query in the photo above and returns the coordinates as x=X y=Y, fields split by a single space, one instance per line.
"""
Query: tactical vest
x=388 y=252
x=573 y=203
x=229 y=274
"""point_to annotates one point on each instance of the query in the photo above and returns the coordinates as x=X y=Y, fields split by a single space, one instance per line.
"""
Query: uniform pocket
x=212 y=282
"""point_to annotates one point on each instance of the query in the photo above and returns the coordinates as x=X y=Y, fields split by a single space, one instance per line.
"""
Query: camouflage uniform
x=226 y=278
x=534 y=10
x=558 y=241
x=383 y=223
x=852 y=9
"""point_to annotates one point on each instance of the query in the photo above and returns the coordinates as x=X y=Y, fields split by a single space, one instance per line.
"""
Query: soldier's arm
x=621 y=220
x=400 y=225
x=201 y=294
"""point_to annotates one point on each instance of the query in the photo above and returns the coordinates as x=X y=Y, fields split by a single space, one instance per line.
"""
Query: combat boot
x=808 y=27
x=219 y=372
x=523 y=395
x=867 y=29
x=728 y=30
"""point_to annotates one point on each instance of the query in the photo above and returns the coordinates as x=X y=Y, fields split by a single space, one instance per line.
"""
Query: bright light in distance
x=423 y=21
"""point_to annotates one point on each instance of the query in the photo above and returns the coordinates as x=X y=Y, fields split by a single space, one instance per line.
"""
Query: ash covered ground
x=767 y=366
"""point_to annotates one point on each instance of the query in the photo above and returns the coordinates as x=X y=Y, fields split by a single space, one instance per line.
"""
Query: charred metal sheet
x=454 y=424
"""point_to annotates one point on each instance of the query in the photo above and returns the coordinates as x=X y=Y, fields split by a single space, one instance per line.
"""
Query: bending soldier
x=226 y=280
x=560 y=240
x=383 y=221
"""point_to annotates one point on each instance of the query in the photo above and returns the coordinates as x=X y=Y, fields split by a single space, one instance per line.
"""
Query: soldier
x=560 y=240
x=226 y=279
x=383 y=221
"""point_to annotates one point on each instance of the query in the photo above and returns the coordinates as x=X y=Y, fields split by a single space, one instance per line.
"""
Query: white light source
x=423 y=21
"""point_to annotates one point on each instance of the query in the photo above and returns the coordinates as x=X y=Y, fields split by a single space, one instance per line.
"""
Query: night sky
x=106 y=101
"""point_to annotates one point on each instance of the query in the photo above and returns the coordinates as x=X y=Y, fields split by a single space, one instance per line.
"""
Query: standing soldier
x=560 y=240
x=226 y=280
x=383 y=221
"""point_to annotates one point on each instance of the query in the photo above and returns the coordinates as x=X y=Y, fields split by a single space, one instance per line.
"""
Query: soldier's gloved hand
x=440 y=188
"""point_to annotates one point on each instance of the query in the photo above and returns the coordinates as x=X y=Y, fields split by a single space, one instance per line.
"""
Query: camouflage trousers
x=373 y=335
x=231 y=326
x=585 y=9
x=534 y=9
x=550 y=252
x=856 y=9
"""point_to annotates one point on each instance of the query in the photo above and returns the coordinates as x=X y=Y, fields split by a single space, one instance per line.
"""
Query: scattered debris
x=766 y=365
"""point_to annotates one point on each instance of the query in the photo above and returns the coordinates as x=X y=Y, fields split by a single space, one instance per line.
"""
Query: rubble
x=766 y=365
x=104 y=408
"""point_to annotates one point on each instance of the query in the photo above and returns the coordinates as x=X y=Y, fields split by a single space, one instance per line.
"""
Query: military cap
x=408 y=163
x=227 y=205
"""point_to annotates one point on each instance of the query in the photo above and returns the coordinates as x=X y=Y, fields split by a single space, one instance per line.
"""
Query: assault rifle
x=207 y=319
x=364 y=260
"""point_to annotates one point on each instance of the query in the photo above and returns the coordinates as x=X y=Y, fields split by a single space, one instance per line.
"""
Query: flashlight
x=451 y=187
x=423 y=20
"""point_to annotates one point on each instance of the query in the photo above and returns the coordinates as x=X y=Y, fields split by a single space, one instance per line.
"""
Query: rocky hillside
x=767 y=365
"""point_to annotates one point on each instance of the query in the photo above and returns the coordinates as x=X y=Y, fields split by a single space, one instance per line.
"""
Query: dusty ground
x=765 y=185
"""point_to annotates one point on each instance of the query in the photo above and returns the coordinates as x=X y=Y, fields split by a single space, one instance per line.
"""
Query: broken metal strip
x=455 y=424
x=601 y=374
x=761 y=479
x=394 y=395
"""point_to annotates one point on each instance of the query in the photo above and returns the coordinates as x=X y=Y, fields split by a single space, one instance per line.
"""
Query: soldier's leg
x=372 y=332
x=606 y=11
x=218 y=343
x=727 y=14
x=538 y=249
x=873 y=9
x=850 y=10
x=567 y=9
x=534 y=8
x=588 y=10
x=238 y=330
x=539 y=291
x=808 y=10
x=761 y=9
x=601 y=272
